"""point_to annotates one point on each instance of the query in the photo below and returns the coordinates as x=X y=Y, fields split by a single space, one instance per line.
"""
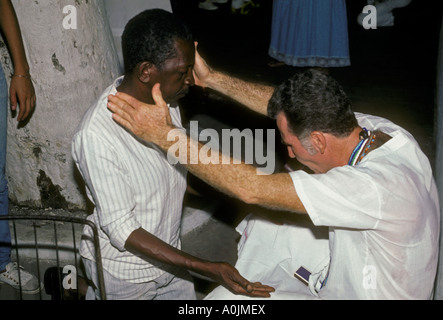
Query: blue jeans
x=5 y=234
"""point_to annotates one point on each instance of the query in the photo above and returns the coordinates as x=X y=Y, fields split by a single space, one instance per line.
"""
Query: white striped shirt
x=132 y=185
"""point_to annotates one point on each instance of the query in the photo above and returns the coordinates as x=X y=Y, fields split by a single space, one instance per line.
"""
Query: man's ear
x=318 y=141
x=144 y=71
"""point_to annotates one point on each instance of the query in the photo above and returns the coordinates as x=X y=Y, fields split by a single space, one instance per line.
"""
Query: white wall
x=70 y=68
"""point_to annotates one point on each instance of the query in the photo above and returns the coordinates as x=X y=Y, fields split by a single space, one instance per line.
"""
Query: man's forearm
x=252 y=95
x=11 y=30
x=144 y=244
x=240 y=181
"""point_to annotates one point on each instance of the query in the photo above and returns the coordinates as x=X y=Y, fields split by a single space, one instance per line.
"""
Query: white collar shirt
x=383 y=217
x=132 y=185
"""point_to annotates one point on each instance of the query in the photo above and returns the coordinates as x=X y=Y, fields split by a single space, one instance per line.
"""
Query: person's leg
x=165 y=287
x=5 y=234
x=10 y=273
x=116 y=289
x=181 y=287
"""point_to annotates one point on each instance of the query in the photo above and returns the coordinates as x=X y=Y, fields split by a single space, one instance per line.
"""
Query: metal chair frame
x=55 y=219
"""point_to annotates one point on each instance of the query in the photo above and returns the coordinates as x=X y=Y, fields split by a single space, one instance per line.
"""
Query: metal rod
x=38 y=261
x=82 y=221
x=18 y=260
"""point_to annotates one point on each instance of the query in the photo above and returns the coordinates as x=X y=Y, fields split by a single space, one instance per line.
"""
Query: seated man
x=137 y=194
x=371 y=185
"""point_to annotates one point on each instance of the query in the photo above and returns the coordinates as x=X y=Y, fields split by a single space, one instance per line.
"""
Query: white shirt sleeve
x=107 y=182
x=343 y=197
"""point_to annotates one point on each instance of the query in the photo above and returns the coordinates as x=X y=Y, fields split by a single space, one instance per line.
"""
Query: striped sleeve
x=107 y=180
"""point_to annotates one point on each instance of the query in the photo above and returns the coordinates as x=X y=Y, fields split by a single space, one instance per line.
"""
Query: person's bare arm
x=253 y=95
x=152 y=123
x=143 y=243
x=21 y=87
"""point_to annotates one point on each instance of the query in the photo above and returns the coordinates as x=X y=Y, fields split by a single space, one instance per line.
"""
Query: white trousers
x=271 y=253
x=166 y=287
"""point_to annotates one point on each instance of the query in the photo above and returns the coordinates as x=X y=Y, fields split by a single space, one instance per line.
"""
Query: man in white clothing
x=137 y=194
x=370 y=185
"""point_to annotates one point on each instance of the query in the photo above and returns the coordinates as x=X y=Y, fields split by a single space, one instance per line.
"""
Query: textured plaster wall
x=70 y=69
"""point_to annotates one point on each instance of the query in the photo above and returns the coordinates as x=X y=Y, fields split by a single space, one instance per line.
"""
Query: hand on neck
x=134 y=87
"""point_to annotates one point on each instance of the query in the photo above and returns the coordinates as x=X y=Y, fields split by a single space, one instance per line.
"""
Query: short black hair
x=313 y=101
x=150 y=36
